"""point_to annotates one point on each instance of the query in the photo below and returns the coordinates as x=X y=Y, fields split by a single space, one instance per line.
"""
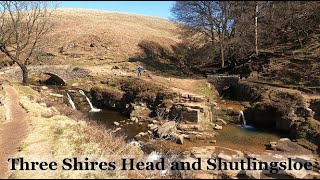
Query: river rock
x=116 y=123
x=56 y=95
x=176 y=138
x=202 y=152
x=286 y=145
x=114 y=131
x=297 y=174
x=273 y=145
x=166 y=128
x=44 y=87
x=250 y=174
x=224 y=157
x=221 y=121
x=188 y=127
x=230 y=174
x=153 y=127
x=216 y=127
x=143 y=133
x=185 y=136
x=134 y=118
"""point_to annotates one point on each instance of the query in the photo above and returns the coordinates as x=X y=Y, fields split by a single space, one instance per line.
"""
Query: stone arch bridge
x=59 y=74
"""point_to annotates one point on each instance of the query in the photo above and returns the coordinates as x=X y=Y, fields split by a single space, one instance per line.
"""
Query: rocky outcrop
x=107 y=98
x=192 y=112
x=310 y=129
x=201 y=154
x=286 y=145
x=315 y=106
x=139 y=110
x=282 y=109
x=278 y=109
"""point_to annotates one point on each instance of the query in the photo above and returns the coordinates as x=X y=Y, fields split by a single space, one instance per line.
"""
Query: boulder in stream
x=216 y=127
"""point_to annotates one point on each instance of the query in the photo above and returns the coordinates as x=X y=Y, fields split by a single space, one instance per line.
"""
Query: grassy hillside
x=93 y=34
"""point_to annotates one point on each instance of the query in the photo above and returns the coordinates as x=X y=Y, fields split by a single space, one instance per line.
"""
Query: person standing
x=140 y=70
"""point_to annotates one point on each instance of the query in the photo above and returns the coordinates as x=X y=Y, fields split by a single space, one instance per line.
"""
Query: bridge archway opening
x=53 y=80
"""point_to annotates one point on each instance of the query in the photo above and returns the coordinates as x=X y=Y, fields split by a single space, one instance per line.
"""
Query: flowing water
x=242 y=119
x=93 y=109
x=71 y=102
x=241 y=137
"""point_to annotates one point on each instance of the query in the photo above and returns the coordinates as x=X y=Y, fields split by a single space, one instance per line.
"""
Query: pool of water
x=107 y=118
x=231 y=136
x=246 y=139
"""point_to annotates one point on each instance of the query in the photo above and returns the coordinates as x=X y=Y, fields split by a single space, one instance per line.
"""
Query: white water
x=71 y=102
x=93 y=109
x=241 y=115
x=244 y=122
x=153 y=156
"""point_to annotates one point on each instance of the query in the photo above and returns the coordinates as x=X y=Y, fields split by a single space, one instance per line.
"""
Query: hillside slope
x=101 y=35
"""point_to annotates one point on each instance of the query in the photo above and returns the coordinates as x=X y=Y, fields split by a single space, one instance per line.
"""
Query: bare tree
x=204 y=18
x=22 y=25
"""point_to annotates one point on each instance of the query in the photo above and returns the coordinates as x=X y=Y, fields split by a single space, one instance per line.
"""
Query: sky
x=149 y=8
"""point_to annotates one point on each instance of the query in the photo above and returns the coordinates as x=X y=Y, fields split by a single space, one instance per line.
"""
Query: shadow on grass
x=162 y=60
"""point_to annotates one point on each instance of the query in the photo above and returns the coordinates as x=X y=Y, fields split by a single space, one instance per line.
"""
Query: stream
x=234 y=136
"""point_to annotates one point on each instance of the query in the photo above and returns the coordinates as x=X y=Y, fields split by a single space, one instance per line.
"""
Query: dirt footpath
x=13 y=131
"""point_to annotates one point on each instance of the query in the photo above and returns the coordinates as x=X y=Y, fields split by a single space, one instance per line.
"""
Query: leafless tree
x=22 y=25
x=205 y=18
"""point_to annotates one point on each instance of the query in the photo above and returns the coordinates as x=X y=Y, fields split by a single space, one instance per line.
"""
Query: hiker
x=140 y=69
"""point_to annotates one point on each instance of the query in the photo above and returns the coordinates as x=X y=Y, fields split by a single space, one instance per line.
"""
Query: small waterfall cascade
x=93 y=109
x=153 y=156
x=242 y=118
x=71 y=102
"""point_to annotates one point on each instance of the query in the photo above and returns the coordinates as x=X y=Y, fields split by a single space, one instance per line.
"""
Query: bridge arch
x=54 y=79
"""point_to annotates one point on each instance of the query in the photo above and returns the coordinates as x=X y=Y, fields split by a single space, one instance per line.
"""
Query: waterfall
x=93 y=109
x=71 y=102
x=241 y=117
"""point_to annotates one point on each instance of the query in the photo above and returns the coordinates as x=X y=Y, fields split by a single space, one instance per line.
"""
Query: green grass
x=207 y=91
x=26 y=90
